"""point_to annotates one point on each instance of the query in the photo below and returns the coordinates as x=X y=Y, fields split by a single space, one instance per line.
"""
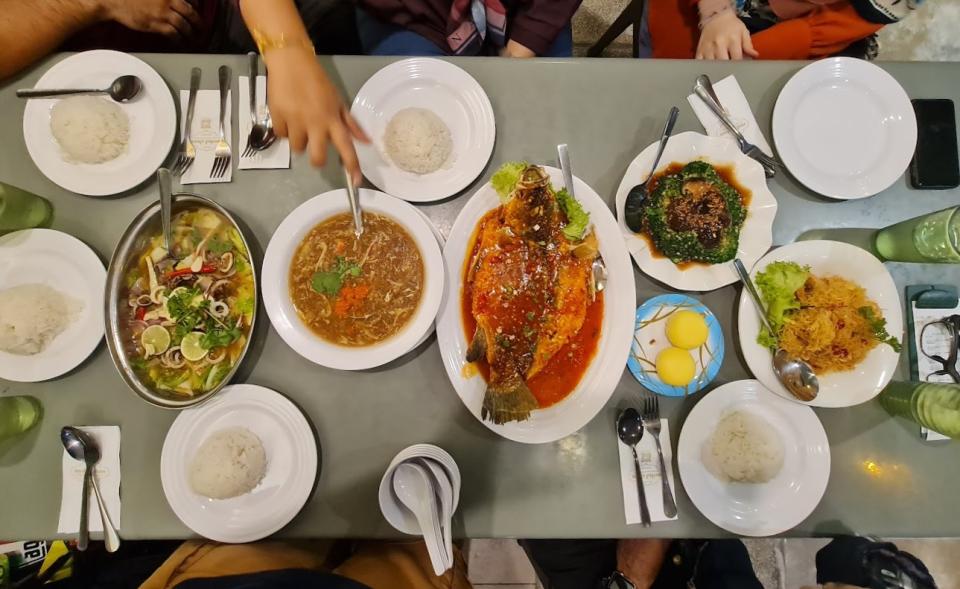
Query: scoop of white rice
x=90 y=129
x=418 y=141
x=32 y=315
x=229 y=463
x=744 y=448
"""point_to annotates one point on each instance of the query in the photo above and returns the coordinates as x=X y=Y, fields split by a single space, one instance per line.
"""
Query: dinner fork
x=221 y=159
x=187 y=152
x=703 y=88
x=650 y=415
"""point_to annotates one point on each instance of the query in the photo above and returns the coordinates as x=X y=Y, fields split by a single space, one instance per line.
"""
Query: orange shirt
x=822 y=32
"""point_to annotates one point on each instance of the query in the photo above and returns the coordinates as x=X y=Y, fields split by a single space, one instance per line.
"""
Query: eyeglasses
x=940 y=342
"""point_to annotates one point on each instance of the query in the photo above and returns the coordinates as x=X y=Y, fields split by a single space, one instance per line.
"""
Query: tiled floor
x=779 y=563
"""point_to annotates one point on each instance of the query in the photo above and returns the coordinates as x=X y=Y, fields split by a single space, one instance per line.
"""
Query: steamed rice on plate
x=743 y=449
x=32 y=316
x=89 y=129
x=229 y=463
x=418 y=141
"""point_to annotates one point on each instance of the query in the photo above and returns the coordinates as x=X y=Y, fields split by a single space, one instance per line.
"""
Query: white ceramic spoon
x=412 y=485
x=444 y=490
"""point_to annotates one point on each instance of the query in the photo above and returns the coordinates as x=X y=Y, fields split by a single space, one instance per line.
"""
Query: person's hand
x=514 y=49
x=306 y=108
x=725 y=37
x=172 y=18
x=640 y=560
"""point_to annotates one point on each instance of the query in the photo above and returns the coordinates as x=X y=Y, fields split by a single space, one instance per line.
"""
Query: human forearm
x=31 y=30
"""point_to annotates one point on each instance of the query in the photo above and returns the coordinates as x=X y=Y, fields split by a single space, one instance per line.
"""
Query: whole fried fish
x=530 y=291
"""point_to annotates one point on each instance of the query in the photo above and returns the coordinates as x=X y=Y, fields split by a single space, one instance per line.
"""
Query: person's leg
x=380 y=38
x=571 y=564
x=562 y=45
x=401 y=565
x=725 y=564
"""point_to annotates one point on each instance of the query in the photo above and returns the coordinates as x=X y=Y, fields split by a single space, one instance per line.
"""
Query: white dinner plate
x=761 y=509
x=276 y=288
x=830 y=258
x=454 y=96
x=291 y=451
x=756 y=236
x=62 y=262
x=153 y=124
x=606 y=368
x=844 y=128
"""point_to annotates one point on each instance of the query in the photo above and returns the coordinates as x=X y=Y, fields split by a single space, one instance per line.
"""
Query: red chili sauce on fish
x=725 y=172
x=564 y=370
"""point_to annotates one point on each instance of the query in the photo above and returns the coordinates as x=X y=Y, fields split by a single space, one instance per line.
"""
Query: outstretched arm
x=304 y=104
x=33 y=29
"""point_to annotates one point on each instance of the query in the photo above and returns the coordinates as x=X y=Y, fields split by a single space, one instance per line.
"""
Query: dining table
x=885 y=480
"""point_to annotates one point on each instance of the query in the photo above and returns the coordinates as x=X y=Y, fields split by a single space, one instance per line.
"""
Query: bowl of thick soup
x=346 y=302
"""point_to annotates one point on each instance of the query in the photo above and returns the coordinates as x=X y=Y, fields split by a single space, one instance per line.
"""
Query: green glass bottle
x=20 y=209
x=933 y=405
x=18 y=414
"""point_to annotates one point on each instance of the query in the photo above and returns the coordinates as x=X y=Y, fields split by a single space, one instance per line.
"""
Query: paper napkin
x=650 y=467
x=276 y=156
x=205 y=134
x=735 y=103
x=107 y=473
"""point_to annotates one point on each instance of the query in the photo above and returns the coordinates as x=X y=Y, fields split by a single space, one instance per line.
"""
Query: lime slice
x=155 y=340
x=190 y=346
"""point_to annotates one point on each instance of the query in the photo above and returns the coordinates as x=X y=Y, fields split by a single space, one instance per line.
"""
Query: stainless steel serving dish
x=135 y=238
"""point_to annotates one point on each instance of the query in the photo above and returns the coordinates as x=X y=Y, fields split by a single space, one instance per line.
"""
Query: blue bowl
x=649 y=338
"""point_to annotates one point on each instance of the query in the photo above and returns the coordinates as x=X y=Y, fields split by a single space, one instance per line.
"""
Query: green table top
x=884 y=480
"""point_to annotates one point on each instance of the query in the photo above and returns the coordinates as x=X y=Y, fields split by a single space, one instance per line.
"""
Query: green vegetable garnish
x=188 y=309
x=505 y=179
x=219 y=338
x=331 y=281
x=879 y=327
x=778 y=284
x=577 y=218
x=218 y=247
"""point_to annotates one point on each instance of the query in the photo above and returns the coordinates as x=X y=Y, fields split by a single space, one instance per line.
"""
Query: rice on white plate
x=229 y=463
x=89 y=129
x=32 y=316
x=744 y=448
x=418 y=141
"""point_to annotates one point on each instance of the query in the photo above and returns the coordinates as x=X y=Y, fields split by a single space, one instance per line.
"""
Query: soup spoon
x=123 y=89
x=354 y=199
x=81 y=446
x=794 y=374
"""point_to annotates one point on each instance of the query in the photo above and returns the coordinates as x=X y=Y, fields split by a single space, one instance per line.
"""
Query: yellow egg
x=687 y=329
x=675 y=367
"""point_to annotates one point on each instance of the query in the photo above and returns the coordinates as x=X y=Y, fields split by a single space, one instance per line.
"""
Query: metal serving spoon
x=81 y=446
x=633 y=208
x=630 y=431
x=598 y=269
x=796 y=375
x=165 y=183
x=122 y=89
x=355 y=210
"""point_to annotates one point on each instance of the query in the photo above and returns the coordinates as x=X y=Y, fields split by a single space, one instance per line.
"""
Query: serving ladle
x=123 y=89
x=794 y=374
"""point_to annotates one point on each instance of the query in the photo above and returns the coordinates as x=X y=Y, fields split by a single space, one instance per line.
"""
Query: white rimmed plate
x=62 y=262
x=830 y=258
x=291 y=464
x=454 y=96
x=844 y=128
x=756 y=509
x=153 y=124
x=276 y=290
x=604 y=372
x=756 y=236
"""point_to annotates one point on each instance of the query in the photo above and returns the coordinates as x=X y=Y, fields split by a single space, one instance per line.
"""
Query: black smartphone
x=935 y=163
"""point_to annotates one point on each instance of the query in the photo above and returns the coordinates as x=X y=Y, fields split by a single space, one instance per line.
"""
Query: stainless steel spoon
x=81 y=446
x=165 y=183
x=630 y=432
x=598 y=269
x=633 y=208
x=122 y=89
x=261 y=134
x=796 y=375
x=355 y=210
